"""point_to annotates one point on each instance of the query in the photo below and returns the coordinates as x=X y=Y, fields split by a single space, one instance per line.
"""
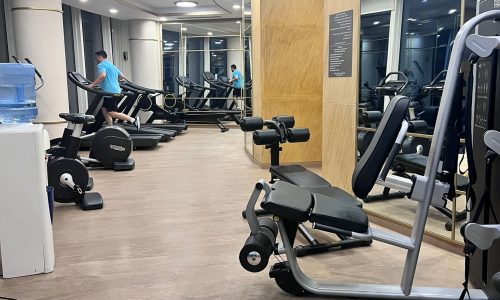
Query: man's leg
x=120 y=116
x=107 y=116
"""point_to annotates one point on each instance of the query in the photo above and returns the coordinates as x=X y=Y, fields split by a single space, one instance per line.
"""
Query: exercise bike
x=66 y=173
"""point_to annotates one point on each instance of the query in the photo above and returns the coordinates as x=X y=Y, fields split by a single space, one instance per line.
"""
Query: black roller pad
x=251 y=123
x=266 y=137
x=298 y=135
x=288 y=121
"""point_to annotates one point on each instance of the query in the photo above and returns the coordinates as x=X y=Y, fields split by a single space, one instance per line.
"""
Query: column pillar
x=38 y=35
x=145 y=53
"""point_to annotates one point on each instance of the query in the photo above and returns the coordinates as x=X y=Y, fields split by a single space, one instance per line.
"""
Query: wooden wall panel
x=288 y=68
x=340 y=96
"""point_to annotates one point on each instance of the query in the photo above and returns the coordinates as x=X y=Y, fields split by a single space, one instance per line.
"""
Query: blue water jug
x=17 y=93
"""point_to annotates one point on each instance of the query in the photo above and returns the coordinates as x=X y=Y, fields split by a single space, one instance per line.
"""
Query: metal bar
x=436 y=145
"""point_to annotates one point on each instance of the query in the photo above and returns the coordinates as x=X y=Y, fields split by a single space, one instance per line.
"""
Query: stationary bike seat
x=77 y=118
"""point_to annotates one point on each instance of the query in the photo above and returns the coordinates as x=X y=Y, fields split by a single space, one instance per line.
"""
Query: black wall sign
x=340 y=44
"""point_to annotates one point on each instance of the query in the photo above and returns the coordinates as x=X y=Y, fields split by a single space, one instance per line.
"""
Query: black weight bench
x=297 y=204
x=298 y=175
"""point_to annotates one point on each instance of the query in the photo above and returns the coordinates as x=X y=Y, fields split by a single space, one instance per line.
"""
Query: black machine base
x=91 y=201
x=302 y=250
x=283 y=276
x=386 y=195
x=127 y=165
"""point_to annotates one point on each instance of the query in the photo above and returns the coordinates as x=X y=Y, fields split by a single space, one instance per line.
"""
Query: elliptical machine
x=66 y=173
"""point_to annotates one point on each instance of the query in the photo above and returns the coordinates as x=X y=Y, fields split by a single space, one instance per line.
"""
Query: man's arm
x=121 y=77
x=98 y=80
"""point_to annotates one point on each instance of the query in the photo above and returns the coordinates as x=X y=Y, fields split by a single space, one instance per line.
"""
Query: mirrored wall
x=405 y=50
x=197 y=60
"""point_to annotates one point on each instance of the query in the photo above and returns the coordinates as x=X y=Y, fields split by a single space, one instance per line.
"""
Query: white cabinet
x=26 y=242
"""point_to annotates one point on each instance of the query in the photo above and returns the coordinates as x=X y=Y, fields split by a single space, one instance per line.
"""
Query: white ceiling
x=156 y=9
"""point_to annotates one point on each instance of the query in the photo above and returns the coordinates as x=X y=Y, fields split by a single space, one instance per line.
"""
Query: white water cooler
x=26 y=242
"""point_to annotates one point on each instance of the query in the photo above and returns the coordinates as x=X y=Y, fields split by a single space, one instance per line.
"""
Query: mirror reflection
x=421 y=38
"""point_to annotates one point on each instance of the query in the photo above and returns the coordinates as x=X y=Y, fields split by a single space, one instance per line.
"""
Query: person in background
x=237 y=81
x=108 y=77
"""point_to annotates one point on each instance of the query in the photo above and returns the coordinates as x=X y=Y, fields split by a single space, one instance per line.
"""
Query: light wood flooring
x=172 y=229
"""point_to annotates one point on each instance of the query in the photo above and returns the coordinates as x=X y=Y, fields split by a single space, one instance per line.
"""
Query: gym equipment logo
x=117 y=148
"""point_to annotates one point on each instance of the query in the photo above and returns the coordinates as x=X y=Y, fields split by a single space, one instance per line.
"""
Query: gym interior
x=249 y=149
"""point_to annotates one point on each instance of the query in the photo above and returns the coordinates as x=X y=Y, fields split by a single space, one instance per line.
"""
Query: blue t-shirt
x=237 y=83
x=110 y=83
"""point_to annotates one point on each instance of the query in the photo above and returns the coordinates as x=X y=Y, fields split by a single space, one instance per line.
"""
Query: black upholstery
x=299 y=176
x=265 y=137
x=298 y=135
x=338 y=214
x=368 y=168
x=338 y=194
x=289 y=202
x=294 y=203
x=77 y=118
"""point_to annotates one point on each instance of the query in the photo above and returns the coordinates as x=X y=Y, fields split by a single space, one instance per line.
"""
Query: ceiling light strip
x=37 y=8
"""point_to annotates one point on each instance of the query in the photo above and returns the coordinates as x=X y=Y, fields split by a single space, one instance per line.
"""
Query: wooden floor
x=172 y=229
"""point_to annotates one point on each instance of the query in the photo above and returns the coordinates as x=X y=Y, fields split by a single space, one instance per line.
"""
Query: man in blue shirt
x=108 y=76
x=238 y=81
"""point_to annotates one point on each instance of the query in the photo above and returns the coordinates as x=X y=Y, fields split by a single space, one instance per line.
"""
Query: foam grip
x=372 y=116
x=269 y=224
x=254 y=256
x=419 y=126
x=288 y=121
x=251 y=123
x=265 y=137
x=298 y=135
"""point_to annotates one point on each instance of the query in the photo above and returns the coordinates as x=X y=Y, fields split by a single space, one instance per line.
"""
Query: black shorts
x=236 y=92
x=110 y=103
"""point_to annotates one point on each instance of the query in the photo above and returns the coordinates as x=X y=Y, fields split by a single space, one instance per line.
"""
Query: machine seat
x=338 y=214
x=299 y=175
x=294 y=203
x=338 y=194
x=415 y=163
x=77 y=118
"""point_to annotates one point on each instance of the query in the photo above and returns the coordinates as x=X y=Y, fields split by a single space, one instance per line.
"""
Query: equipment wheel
x=60 y=166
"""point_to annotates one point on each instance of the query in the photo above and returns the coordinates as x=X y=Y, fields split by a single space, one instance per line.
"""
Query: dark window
x=195 y=59
x=373 y=66
x=248 y=59
x=428 y=29
x=92 y=41
x=170 y=47
x=4 y=50
x=218 y=56
x=70 y=56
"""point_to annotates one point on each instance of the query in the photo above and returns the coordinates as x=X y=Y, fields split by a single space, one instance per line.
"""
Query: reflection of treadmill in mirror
x=142 y=140
x=219 y=95
x=195 y=113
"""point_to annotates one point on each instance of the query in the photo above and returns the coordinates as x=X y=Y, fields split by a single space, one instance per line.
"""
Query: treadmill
x=144 y=100
x=142 y=140
x=197 y=112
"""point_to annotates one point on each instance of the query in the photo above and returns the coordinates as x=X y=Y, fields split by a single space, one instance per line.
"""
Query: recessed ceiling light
x=83 y=1
x=452 y=11
x=248 y=13
x=238 y=22
x=218 y=42
x=423 y=1
x=236 y=6
x=113 y=10
x=163 y=19
x=184 y=29
x=412 y=19
x=186 y=3
x=376 y=22
x=210 y=33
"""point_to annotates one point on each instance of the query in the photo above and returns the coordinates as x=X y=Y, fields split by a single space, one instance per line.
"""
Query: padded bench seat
x=299 y=176
x=294 y=203
x=415 y=163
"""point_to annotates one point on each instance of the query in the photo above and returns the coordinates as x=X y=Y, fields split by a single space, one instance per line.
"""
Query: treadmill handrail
x=142 y=88
x=72 y=76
